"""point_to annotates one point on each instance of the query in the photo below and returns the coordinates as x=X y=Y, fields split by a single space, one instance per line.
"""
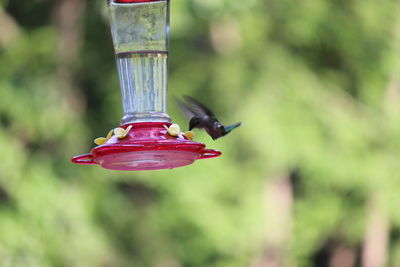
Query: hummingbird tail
x=229 y=128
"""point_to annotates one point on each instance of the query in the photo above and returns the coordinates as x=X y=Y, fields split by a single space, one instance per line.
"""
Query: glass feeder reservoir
x=140 y=36
x=140 y=30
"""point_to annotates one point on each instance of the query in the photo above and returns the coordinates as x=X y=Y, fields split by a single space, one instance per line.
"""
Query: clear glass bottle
x=140 y=32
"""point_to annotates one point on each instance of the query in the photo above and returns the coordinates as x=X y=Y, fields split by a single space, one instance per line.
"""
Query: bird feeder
x=140 y=31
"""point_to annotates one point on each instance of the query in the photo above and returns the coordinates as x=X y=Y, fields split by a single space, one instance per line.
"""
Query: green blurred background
x=312 y=177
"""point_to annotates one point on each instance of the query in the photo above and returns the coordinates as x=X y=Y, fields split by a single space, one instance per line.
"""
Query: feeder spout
x=140 y=30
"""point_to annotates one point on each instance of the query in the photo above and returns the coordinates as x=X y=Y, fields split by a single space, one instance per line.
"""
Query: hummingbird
x=201 y=117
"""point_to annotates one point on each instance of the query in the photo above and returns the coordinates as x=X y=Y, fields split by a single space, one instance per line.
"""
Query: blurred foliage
x=315 y=82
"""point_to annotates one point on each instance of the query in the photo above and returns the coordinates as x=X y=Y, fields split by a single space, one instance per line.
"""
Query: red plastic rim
x=147 y=146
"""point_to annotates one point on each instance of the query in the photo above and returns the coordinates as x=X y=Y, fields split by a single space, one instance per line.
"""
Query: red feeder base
x=147 y=146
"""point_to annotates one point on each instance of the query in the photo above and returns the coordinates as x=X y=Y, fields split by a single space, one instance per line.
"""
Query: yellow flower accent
x=99 y=141
x=110 y=134
x=189 y=135
x=121 y=132
x=173 y=130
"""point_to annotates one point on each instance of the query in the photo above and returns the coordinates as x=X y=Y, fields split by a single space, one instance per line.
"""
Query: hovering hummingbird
x=202 y=117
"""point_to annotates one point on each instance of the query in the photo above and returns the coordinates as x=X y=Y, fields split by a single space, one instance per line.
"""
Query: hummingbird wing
x=198 y=108
x=197 y=115
x=188 y=112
